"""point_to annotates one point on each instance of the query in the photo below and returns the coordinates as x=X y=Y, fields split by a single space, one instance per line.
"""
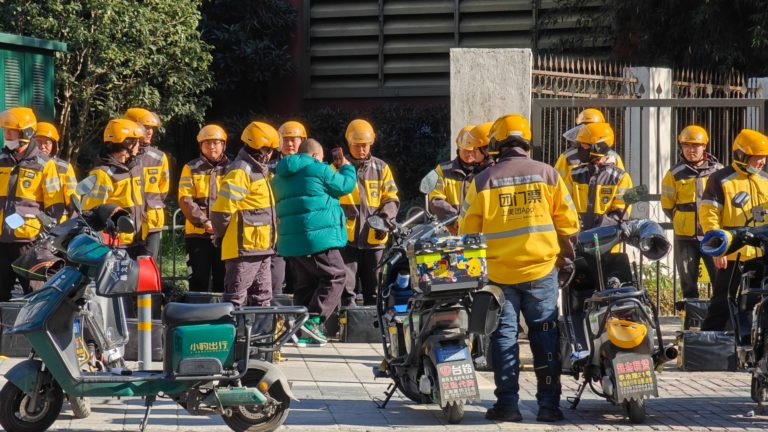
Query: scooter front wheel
x=259 y=418
x=15 y=412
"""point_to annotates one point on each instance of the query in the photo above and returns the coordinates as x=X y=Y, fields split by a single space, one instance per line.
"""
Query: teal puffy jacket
x=307 y=191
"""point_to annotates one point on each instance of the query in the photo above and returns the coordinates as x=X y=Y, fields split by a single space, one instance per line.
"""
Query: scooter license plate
x=635 y=376
x=457 y=381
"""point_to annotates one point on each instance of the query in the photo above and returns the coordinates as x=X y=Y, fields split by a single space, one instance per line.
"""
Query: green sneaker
x=313 y=329
x=308 y=342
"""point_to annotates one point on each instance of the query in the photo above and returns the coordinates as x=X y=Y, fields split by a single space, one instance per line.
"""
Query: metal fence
x=640 y=121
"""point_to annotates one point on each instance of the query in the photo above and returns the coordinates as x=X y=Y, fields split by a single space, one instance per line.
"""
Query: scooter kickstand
x=148 y=401
x=576 y=399
x=389 y=392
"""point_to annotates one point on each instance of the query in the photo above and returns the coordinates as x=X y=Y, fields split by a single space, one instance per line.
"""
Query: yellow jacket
x=68 y=184
x=717 y=212
x=198 y=187
x=28 y=187
x=576 y=156
x=379 y=196
x=119 y=184
x=523 y=208
x=156 y=184
x=243 y=213
x=681 y=192
x=597 y=191
x=453 y=181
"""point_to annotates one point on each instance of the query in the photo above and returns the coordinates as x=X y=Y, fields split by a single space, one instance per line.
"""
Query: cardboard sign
x=634 y=376
x=457 y=381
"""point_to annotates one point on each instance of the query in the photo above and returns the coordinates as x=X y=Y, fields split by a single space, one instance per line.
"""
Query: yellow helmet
x=594 y=133
x=143 y=117
x=478 y=136
x=751 y=143
x=291 y=129
x=625 y=334
x=510 y=125
x=693 y=135
x=359 y=132
x=258 y=135
x=20 y=118
x=119 y=130
x=590 y=115
x=461 y=137
x=211 y=132
x=47 y=130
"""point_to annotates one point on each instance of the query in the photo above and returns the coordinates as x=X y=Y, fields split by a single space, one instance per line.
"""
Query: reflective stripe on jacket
x=243 y=213
x=198 y=187
x=156 y=184
x=453 y=181
x=597 y=191
x=527 y=215
x=379 y=196
x=717 y=211
x=28 y=186
x=68 y=184
x=576 y=156
x=681 y=192
x=117 y=183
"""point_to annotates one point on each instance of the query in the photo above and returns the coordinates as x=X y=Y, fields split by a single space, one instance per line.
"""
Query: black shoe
x=503 y=414
x=549 y=415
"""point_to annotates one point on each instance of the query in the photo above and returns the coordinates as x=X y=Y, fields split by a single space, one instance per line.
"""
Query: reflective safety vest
x=198 y=187
x=119 y=184
x=28 y=187
x=68 y=184
x=597 y=191
x=576 y=156
x=453 y=181
x=156 y=184
x=524 y=209
x=243 y=213
x=379 y=196
x=681 y=192
x=717 y=211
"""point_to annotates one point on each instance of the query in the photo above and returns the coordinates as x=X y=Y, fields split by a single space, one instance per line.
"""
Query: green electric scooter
x=211 y=351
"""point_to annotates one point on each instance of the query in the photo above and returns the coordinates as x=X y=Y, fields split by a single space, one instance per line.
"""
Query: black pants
x=718 y=314
x=319 y=281
x=153 y=243
x=361 y=263
x=278 y=268
x=687 y=258
x=206 y=269
x=9 y=252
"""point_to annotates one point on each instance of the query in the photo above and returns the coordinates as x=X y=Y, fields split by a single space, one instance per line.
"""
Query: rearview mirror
x=377 y=223
x=14 y=221
x=636 y=194
x=429 y=182
x=125 y=225
x=740 y=200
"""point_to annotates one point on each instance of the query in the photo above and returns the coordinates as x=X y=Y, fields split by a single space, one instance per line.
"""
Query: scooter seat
x=175 y=314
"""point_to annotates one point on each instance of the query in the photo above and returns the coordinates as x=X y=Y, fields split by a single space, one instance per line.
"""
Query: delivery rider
x=579 y=153
x=47 y=140
x=529 y=220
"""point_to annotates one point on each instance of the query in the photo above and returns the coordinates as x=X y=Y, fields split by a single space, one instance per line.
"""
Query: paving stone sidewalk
x=336 y=391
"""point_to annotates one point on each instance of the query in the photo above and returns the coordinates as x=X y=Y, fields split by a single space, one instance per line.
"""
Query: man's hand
x=565 y=272
x=720 y=263
x=208 y=227
x=453 y=228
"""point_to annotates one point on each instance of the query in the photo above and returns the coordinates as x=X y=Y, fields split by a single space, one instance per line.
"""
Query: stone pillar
x=488 y=83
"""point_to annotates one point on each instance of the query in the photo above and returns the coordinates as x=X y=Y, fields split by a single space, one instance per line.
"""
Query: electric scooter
x=610 y=333
x=209 y=366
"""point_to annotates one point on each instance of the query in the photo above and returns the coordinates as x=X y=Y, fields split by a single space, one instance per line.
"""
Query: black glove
x=565 y=272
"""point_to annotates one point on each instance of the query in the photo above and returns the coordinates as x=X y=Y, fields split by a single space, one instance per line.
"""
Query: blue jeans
x=537 y=300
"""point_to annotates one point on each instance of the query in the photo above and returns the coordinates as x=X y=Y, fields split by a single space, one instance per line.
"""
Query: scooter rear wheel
x=635 y=410
x=259 y=418
x=14 y=414
x=454 y=412
x=81 y=407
